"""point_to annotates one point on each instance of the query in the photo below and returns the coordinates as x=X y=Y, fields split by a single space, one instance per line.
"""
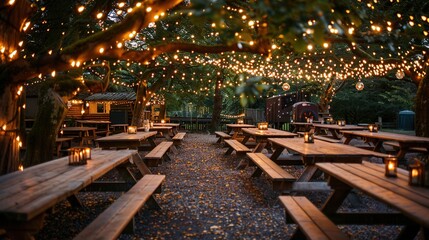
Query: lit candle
x=391 y=166
x=371 y=127
x=414 y=176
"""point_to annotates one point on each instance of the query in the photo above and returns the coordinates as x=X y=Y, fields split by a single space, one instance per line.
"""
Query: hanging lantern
x=360 y=86
x=285 y=86
x=399 y=74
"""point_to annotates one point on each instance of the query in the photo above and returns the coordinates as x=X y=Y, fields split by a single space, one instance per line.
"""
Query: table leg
x=409 y=232
x=308 y=173
x=245 y=139
x=138 y=161
x=348 y=139
x=334 y=133
x=260 y=146
x=151 y=142
x=23 y=230
x=336 y=197
x=276 y=154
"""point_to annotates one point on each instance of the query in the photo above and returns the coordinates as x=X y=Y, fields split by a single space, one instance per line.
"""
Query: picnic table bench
x=120 y=215
x=281 y=179
x=236 y=146
x=159 y=153
x=222 y=136
x=177 y=139
x=26 y=196
x=312 y=223
x=327 y=139
x=396 y=146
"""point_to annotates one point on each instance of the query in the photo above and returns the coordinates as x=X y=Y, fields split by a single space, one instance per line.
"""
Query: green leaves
x=250 y=89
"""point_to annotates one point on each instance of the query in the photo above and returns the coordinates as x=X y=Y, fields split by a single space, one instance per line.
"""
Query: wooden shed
x=114 y=106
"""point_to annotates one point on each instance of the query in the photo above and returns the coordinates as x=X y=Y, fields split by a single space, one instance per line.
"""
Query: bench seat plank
x=327 y=139
x=159 y=151
x=179 y=136
x=310 y=220
x=236 y=146
x=280 y=178
x=177 y=139
x=157 y=154
x=222 y=136
x=412 y=149
x=111 y=222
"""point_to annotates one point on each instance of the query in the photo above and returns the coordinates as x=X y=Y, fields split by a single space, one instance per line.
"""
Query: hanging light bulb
x=399 y=74
x=360 y=86
x=285 y=86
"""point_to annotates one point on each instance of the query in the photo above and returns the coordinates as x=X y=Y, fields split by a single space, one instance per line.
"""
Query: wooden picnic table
x=60 y=142
x=335 y=129
x=83 y=133
x=126 y=140
x=377 y=138
x=26 y=196
x=115 y=127
x=301 y=126
x=235 y=128
x=175 y=126
x=261 y=136
x=411 y=203
x=319 y=151
x=164 y=131
x=103 y=127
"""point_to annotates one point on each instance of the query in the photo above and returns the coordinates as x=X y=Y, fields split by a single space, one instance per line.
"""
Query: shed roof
x=112 y=96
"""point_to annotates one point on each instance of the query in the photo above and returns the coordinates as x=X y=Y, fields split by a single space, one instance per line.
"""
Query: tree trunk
x=140 y=104
x=217 y=104
x=422 y=107
x=41 y=139
x=10 y=129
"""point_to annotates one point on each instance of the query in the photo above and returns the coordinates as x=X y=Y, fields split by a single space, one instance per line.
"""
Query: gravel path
x=204 y=197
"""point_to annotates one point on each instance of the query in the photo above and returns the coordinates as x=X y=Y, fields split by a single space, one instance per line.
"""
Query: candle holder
x=263 y=126
x=341 y=122
x=151 y=124
x=132 y=129
x=308 y=137
x=77 y=156
x=240 y=121
x=391 y=164
x=373 y=127
x=416 y=174
x=87 y=153
x=162 y=121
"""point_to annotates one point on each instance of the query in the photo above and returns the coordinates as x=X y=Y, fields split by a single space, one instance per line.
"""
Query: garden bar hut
x=114 y=106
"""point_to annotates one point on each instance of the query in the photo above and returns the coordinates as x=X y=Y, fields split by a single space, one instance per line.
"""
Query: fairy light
x=81 y=9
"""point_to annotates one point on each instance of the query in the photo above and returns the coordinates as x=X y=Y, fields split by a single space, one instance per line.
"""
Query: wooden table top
x=28 y=193
x=156 y=128
x=93 y=121
x=320 y=148
x=271 y=132
x=237 y=125
x=302 y=123
x=120 y=125
x=120 y=137
x=338 y=127
x=167 y=124
x=78 y=129
x=388 y=136
x=369 y=178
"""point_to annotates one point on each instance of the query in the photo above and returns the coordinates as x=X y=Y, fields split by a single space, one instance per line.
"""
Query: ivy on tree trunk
x=41 y=139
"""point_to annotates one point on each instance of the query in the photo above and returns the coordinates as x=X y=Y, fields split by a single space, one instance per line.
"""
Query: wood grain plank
x=110 y=223
x=409 y=208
